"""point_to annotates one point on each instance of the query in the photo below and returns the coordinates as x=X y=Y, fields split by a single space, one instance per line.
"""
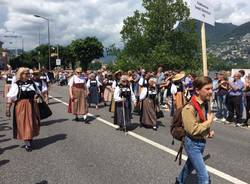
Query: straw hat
x=178 y=76
x=118 y=72
x=152 y=80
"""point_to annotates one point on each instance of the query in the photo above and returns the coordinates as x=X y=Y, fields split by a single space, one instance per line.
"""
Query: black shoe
x=177 y=182
x=86 y=121
x=245 y=125
x=76 y=119
x=28 y=148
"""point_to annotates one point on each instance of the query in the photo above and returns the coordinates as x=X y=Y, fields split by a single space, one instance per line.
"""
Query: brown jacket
x=192 y=123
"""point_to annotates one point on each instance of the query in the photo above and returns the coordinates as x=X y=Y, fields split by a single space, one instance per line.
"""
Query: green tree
x=95 y=66
x=86 y=50
x=151 y=40
x=112 y=50
x=66 y=56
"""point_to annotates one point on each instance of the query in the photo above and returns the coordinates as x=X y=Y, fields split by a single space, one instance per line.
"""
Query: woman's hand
x=211 y=134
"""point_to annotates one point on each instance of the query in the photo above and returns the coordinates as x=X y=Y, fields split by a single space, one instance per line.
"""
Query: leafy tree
x=151 y=40
x=112 y=50
x=86 y=50
x=95 y=66
x=66 y=56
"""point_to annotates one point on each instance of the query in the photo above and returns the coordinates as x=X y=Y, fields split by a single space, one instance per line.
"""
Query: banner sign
x=202 y=10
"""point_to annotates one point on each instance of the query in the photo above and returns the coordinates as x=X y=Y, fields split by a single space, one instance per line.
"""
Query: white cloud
x=232 y=11
x=71 y=19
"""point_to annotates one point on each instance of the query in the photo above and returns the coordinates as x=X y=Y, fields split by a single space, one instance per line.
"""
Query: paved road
x=72 y=152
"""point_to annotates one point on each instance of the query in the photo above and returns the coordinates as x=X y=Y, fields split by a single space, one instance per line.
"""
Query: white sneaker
x=164 y=106
x=215 y=118
x=237 y=125
x=223 y=120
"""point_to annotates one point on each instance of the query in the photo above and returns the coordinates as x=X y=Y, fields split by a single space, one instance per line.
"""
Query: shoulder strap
x=198 y=108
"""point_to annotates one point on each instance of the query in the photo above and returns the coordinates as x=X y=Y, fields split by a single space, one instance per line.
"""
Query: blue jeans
x=194 y=150
x=222 y=109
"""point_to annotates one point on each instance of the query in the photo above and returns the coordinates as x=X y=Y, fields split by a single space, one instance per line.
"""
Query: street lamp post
x=38 y=16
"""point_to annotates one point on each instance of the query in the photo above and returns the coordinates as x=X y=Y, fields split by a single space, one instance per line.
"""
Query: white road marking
x=212 y=170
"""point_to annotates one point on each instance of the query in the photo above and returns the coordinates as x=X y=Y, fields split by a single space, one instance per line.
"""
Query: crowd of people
x=231 y=91
x=139 y=92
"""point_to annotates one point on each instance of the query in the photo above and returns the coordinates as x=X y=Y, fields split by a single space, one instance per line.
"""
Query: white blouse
x=44 y=86
x=98 y=83
x=142 y=80
x=117 y=93
x=76 y=80
x=13 y=80
x=13 y=92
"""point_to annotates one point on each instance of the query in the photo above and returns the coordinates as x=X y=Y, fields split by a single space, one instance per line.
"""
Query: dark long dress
x=148 y=110
x=119 y=116
x=93 y=92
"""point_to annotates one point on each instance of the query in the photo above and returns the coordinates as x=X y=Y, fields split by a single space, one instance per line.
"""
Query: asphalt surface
x=68 y=152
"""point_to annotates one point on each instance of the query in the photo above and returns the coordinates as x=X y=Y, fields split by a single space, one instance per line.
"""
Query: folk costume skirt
x=148 y=112
x=26 y=120
x=79 y=105
x=112 y=104
x=123 y=112
x=94 y=95
x=108 y=94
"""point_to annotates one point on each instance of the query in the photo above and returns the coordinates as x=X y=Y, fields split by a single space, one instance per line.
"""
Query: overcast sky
x=72 y=19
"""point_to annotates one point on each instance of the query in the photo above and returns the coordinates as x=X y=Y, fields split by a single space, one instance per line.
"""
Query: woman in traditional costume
x=149 y=105
x=123 y=97
x=94 y=90
x=41 y=85
x=108 y=92
x=26 y=118
x=44 y=76
x=177 y=90
x=78 y=93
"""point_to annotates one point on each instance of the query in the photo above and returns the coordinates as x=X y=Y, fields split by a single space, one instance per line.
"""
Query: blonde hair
x=79 y=69
x=20 y=72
